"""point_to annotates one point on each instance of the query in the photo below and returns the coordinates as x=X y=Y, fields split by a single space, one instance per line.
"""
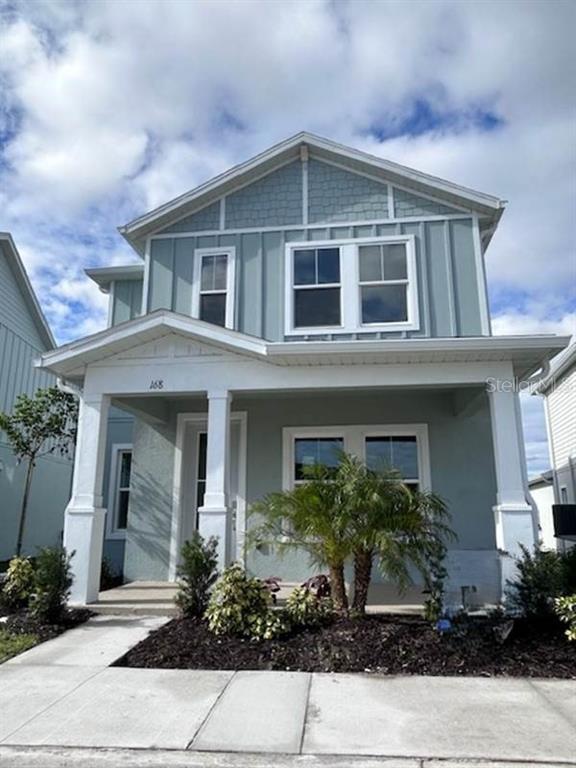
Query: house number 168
x=157 y=384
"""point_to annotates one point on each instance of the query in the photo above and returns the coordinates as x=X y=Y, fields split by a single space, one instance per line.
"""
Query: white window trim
x=354 y=437
x=111 y=531
x=350 y=302
x=230 y=252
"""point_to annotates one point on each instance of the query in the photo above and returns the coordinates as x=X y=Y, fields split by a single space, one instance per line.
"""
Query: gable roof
x=525 y=352
x=8 y=247
x=320 y=148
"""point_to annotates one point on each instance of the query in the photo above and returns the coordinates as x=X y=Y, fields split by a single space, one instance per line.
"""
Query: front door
x=194 y=484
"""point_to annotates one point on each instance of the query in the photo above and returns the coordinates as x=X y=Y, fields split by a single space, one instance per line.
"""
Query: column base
x=514 y=530
x=215 y=521
x=84 y=540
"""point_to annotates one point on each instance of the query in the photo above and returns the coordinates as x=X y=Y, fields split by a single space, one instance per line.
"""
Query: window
x=201 y=472
x=400 y=447
x=383 y=283
x=309 y=451
x=316 y=276
x=563 y=494
x=354 y=285
x=213 y=293
x=121 y=472
x=399 y=452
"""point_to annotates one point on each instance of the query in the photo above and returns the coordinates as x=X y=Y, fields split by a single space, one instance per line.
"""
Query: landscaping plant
x=543 y=575
x=19 y=582
x=360 y=513
x=305 y=609
x=38 y=425
x=197 y=573
x=241 y=605
x=313 y=517
x=52 y=582
x=566 y=611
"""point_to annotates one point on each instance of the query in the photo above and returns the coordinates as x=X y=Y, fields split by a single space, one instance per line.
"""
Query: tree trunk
x=362 y=578
x=24 y=507
x=338 y=589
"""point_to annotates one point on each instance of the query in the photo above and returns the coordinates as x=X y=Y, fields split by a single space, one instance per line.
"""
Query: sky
x=111 y=107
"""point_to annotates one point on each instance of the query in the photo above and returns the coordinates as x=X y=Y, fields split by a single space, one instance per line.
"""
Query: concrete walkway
x=61 y=699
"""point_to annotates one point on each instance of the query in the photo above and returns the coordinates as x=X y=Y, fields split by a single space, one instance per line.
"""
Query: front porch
x=156 y=598
x=447 y=408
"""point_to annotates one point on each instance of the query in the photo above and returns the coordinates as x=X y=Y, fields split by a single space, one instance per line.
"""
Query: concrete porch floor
x=156 y=598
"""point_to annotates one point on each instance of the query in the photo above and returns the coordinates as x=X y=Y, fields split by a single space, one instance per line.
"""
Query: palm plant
x=392 y=524
x=312 y=517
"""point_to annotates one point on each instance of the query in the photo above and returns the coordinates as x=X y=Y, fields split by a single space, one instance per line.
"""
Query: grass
x=12 y=645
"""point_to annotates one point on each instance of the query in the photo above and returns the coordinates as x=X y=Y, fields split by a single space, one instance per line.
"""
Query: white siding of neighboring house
x=561 y=405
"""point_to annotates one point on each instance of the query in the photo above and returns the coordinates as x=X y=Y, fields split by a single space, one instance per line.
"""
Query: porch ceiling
x=526 y=353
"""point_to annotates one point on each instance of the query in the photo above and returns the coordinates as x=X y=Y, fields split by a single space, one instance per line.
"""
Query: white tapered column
x=85 y=515
x=214 y=514
x=514 y=518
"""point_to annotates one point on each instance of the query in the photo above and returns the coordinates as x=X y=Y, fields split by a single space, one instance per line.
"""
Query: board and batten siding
x=20 y=345
x=126 y=297
x=561 y=404
x=446 y=263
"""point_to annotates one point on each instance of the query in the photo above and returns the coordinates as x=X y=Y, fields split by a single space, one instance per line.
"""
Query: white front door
x=194 y=483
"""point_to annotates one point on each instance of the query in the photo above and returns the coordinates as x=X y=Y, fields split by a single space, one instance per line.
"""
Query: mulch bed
x=21 y=623
x=387 y=644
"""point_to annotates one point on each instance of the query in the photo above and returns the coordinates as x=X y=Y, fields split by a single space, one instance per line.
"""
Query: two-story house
x=24 y=335
x=311 y=299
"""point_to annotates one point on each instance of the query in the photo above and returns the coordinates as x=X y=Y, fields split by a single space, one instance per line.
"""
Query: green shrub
x=566 y=611
x=304 y=609
x=52 y=582
x=240 y=605
x=19 y=582
x=543 y=575
x=196 y=574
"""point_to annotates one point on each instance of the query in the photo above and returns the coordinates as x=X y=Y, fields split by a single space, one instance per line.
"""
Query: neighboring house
x=24 y=336
x=311 y=299
x=542 y=492
x=559 y=390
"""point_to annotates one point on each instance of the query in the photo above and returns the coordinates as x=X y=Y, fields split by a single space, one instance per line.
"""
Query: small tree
x=38 y=425
x=313 y=517
x=196 y=574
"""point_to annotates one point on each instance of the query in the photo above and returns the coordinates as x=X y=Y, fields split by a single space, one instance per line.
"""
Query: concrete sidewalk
x=62 y=695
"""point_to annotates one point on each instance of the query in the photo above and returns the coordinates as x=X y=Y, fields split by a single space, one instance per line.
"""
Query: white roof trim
x=528 y=351
x=103 y=276
x=30 y=297
x=468 y=195
x=558 y=366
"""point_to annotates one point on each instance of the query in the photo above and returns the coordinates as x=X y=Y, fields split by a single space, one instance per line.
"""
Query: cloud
x=110 y=108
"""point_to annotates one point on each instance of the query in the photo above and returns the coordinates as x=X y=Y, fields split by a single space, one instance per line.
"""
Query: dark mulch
x=383 y=644
x=21 y=623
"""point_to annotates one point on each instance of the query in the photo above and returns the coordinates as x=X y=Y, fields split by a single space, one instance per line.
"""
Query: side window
x=309 y=451
x=213 y=294
x=399 y=452
x=122 y=489
x=316 y=287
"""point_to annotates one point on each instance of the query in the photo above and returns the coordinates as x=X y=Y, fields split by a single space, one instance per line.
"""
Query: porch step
x=138 y=598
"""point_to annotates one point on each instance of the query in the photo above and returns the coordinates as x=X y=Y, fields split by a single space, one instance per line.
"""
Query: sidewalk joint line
x=550 y=703
x=305 y=718
x=212 y=708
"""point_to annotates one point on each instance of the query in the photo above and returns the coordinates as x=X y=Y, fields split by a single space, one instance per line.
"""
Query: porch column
x=514 y=517
x=85 y=515
x=213 y=516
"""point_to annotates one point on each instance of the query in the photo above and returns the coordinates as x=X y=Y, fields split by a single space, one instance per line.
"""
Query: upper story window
x=351 y=286
x=213 y=289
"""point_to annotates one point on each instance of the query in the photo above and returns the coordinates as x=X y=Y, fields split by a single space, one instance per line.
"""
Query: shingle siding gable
x=338 y=195
x=275 y=200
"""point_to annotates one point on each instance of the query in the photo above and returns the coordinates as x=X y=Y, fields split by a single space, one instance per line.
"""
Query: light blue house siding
x=335 y=194
x=448 y=291
x=126 y=300
x=21 y=344
x=461 y=459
